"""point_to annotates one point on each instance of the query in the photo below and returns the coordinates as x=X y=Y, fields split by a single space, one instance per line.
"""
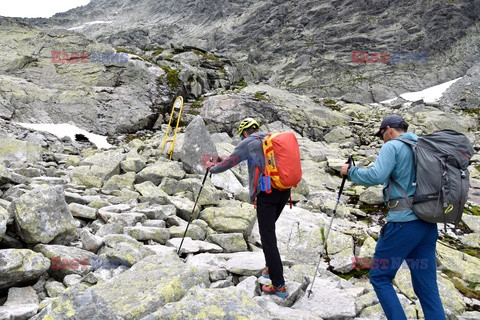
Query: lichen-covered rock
x=22 y=304
x=473 y=222
x=119 y=182
x=13 y=150
x=368 y=248
x=132 y=164
x=160 y=235
x=194 y=231
x=66 y=260
x=4 y=215
x=159 y=170
x=201 y=303
x=42 y=214
x=124 y=248
x=96 y=169
x=82 y=211
x=245 y=263
x=372 y=195
x=471 y=240
x=197 y=146
x=339 y=135
x=230 y=242
x=151 y=193
x=184 y=207
x=230 y=217
x=18 y=266
x=465 y=265
x=83 y=175
x=193 y=246
x=134 y=294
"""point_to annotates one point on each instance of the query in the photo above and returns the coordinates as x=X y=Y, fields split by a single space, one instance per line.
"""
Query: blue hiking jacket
x=394 y=160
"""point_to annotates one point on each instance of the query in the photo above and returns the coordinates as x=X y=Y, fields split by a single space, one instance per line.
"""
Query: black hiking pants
x=269 y=207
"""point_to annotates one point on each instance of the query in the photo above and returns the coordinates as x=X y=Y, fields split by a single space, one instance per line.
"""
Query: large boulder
x=96 y=169
x=13 y=150
x=66 y=260
x=42 y=214
x=197 y=147
x=159 y=170
x=135 y=293
x=22 y=303
x=198 y=303
x=124 y=248
x=230 y=217
x=18 y=266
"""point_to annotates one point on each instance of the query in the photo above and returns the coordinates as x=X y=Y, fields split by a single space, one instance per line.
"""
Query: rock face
x=281 y=44
x=197 y=147
x=95 y=95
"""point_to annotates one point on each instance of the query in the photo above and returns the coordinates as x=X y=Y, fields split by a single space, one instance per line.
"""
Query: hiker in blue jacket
x=269 y=206
x=405 y=236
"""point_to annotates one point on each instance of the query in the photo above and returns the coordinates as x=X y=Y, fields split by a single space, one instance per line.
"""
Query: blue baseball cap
x=392 y=121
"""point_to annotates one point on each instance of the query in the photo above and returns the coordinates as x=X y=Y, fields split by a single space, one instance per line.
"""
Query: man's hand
x=344 y=171
x=209 y=164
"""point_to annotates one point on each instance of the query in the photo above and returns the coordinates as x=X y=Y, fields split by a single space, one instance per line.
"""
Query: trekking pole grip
x=350 y=161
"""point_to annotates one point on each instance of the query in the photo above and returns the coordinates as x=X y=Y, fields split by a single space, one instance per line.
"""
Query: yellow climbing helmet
x=247 y=123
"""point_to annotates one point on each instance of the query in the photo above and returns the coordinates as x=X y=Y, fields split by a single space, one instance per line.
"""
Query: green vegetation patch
x=172 y=77
x=260 y=96
x=124 y=51
x=474 y=210
x=206 y=56
x=197 y=104
x=157 y=52
x=355 y=273
x=331 y=104
x=466 y=290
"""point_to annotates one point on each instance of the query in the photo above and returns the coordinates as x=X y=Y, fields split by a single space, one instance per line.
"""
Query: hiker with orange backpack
x=269 y=200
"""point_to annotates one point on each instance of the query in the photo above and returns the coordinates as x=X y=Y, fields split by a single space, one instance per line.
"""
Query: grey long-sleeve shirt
x=251 y=150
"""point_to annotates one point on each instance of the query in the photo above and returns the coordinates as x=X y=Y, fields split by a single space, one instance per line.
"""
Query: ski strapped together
x=442 y=177
x=283 y=169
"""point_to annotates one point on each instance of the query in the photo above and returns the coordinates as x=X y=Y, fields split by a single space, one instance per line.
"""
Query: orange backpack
x=283 y=169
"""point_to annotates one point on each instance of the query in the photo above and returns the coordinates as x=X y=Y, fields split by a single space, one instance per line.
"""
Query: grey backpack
x=441 y=161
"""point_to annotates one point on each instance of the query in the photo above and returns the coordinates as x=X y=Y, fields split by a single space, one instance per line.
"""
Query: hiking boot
x=265 y=273
x=280 y=291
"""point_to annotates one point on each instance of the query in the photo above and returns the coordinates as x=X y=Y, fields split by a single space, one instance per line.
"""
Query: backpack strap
x=255 y=184
x=406 y=203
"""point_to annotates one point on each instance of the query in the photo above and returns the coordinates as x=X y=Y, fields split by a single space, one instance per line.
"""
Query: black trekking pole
x=350 y=161
x=193 y=210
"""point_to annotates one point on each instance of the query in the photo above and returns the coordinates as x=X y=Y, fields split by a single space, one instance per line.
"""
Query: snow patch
x=88 y=24
x=62 y=130
x=429 y=95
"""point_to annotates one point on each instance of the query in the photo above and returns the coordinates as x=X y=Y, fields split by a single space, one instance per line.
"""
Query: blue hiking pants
x=415 y=242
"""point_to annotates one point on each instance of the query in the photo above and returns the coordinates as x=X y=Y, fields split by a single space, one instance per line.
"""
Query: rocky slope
x=305 y=47
x=112 y=220
x=93 y=234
